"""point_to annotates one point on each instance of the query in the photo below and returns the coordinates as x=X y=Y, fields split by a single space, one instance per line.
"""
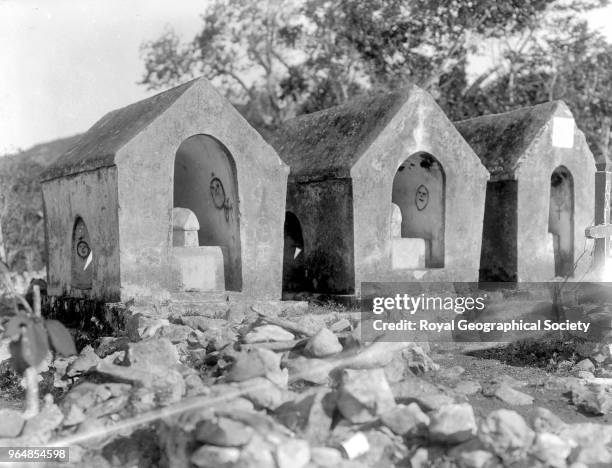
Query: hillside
x=21 y=202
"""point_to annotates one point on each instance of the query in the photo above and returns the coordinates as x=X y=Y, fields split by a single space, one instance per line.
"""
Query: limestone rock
x=310 y=414
x=174 y=333
x=258 y=362
x=585 y=375
x=428 y=396
x=223 y=432
x=340 y=325
x=585 y=365
x=364 y=395
x=263 y=393
x=551 y=449
x=506 y=434
x=194 y=385
x=453 y=423
x=11 y=423
x=406 y=420
x=315 y=371
x=476 y=459
x=266 y=333
x=323 y=344
x=5 y=352
x=592 y=400
x=140 y=326
x=508 y=394
x=94 y=400
x=293 y=453
x=258 y=454
x=595 y=454
x=208 y=456
x=85 y=362
x=153 y=353
x=325 y=457
x=44 y=423
x=545 y=420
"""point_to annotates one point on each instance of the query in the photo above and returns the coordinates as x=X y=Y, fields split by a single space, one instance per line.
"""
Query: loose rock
x=415 y=389
x=11 y=423
x=209 y=456
x=293 y=454
x=364 y=395
x=453 y=424
x=507 y=434
x=265 y=333
x=406 y=420
x=508 y=395
x=223 y=432
x=323 y=344
x=309 y=415
x=551 y=449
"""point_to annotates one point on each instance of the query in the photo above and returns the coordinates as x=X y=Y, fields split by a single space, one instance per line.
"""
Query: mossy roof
x=501 y=140
x=97 y=147
x=328 y=143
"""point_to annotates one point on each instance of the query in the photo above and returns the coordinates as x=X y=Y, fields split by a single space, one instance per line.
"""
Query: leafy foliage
x=279 y=58
x=21 y=210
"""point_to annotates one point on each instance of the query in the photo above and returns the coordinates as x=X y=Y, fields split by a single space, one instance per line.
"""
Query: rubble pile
x=262 y=390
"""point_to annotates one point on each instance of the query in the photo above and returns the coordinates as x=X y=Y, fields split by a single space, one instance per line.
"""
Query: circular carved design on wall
x=217 y=192
x=83 y=249
x=421 y=198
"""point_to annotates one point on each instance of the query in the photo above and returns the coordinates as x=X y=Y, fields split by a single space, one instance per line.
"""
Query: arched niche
x=82 y=256
x=419 y=191
x=561 y=220
x=205 y=182
x=294 y=270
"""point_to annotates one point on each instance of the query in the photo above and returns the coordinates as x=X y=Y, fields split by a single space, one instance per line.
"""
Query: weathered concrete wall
x=535 y=243
x=498 y=258
x=420 y=126
x=146 y=166
x=91 y=196
x=325 y=211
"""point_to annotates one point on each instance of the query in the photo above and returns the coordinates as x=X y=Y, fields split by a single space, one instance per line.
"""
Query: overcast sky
x=67 y=62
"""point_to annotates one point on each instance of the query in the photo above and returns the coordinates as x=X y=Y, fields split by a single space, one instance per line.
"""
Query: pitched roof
x=329 y=142
x=500 y=140
x=98 y=146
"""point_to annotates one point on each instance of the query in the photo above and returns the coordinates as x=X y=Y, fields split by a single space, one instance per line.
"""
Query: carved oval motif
x=217 y=192
x=421 y=198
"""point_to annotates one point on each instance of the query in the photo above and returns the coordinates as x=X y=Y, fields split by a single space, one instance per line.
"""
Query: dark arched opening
x=419 y=192
x=82 y=256
x=561 y=220
x=205 y=181
x=294 y=270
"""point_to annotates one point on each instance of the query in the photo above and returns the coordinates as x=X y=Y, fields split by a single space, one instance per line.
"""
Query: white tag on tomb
x=297 y=252
x=88 y=261
x=563 y=132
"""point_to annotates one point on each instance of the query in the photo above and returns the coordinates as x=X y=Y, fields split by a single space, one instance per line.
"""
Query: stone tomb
x=541 y=193
x=173 y=193
x=382 y=188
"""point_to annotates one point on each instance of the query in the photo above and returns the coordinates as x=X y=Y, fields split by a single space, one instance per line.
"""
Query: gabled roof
x=329 y=142
x=500 y=140
x=98 y=146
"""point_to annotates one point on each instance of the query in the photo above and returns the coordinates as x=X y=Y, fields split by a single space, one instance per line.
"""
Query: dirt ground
x=545 y=387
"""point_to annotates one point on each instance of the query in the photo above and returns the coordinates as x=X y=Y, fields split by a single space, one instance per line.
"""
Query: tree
x=280 y=58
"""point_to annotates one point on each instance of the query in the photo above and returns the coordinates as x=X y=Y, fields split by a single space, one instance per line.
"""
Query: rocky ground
x=271 y=388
